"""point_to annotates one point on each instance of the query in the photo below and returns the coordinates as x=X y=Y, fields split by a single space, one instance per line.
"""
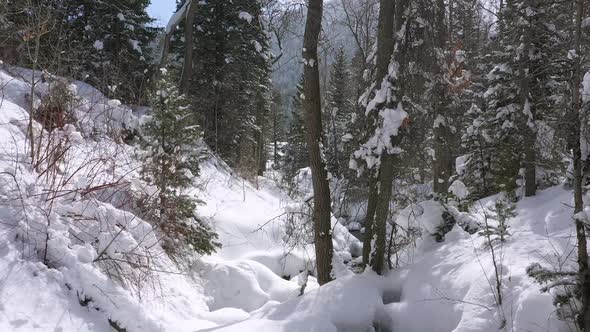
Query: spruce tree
x=170 y=164
x=519 y=96
x=112 y=40
x=230 y=83
x=296 y=148
x=337 y=116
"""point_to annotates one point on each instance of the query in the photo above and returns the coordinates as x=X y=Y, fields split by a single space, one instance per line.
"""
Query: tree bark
x=382 y=212
x=385 y=47
x=187 y=67
x=260 y=137
x=530 y=134
x=441 y=164
x=584 y=275
x=313 y=119
x=371 y=204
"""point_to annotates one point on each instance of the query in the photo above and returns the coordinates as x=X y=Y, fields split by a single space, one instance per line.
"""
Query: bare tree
x=360 y=18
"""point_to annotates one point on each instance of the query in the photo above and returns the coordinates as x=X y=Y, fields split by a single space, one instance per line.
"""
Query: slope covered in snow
x=74 y=256
x=445 y=286
x=106 y=267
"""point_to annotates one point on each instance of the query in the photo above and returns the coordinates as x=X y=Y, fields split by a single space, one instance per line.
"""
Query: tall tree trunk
x=382 y=212
x=187 y=67
x=385 y=46
x=441 y=165
x=313 y=119
x=584 y=274
x=371 y=204
x=259 y=137
x=530 y=134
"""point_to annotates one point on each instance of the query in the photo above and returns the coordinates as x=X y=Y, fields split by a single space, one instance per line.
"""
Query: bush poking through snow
x=563 y=285
x=56 y=108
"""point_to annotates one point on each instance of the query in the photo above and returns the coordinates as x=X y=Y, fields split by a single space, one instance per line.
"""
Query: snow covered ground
x=253 y=282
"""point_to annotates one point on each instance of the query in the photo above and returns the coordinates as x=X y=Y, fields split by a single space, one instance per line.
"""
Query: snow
x=257 y=46
x=246 y=285
x=246 y=17
x=325 y=309
x=135 y=45
x=253 y=283
x=177 y=17
x=586 y=87
x=461 y=164
x=459 y=189
x=180 y=301
x=426 y=215
x=98 y=45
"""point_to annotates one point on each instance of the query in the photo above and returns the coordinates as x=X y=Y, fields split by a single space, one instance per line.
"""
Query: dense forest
x=302 y=165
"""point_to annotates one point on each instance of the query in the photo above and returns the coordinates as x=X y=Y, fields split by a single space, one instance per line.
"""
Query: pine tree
x=527 y=64
x=170 y=164
x=337 y=116
x=32 y=34
x=112 y=41
x=296 y=148
x=230 y=83
x=477 y=162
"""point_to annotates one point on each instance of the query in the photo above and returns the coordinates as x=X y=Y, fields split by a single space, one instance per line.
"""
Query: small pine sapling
x=170 y=164
x=502 y=211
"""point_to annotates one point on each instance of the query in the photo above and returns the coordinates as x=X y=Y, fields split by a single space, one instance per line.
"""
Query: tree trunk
x=584 y=275
x=259 y=137
x=382 y=212
x=313 y=119
x=385 y=45
x=441 y=163
x=530 y=134
x=187 y=67
x=371 y=204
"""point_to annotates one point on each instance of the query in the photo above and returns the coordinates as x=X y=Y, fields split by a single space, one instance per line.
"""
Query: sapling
x=170 y=164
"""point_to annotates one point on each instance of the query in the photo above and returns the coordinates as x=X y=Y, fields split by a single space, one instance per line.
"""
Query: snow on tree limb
x=586 y=87
x=174 y=21
x=177 y=17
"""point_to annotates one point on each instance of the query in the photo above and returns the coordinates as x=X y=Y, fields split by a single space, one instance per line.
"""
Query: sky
x=161 y=10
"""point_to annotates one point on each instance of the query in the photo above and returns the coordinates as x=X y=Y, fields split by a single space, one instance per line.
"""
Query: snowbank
x=353 y=303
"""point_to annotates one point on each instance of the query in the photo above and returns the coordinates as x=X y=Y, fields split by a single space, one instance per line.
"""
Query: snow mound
x=328 y=308
x=426 y=216
x=246 y=285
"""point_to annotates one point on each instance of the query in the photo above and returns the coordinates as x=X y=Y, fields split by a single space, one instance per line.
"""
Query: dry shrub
x=57 y=108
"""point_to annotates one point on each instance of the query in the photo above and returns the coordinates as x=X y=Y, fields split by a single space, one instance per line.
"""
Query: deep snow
x=252 y=283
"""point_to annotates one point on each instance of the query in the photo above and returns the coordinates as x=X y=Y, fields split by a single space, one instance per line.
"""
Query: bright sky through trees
x=161 y=10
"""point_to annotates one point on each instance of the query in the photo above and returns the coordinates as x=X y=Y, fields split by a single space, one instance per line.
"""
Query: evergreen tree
x=296 y=156
x=170 y=165
x=112 y=44
x=32 y=34
x=519 y=85
x=337 y=117
x=477 y=173
x=230 y=83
